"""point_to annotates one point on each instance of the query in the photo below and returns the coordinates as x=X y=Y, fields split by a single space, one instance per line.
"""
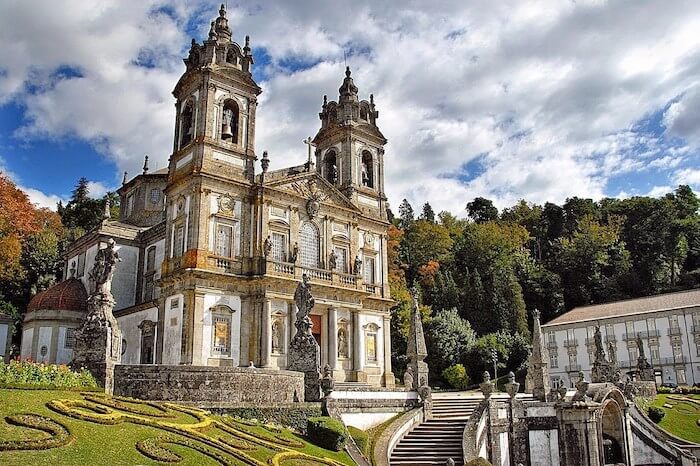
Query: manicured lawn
x=163 y=431
x=682 y=417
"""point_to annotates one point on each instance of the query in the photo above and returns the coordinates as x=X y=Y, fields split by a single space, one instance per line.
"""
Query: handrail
x=470 y=434
x=393 y=434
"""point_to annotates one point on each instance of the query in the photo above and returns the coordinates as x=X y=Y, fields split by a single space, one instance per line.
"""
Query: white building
x=668 y=324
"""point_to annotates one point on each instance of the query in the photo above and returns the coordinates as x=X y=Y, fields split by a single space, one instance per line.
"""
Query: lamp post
x=494 y=358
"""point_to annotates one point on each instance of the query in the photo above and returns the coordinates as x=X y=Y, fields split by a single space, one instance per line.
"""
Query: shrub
x=361 y=439
x=448 y=338
x=28 y=374
x=478 y=462
x=664 y=390
x=327 y=433
x=456 y=376
x=655 y=414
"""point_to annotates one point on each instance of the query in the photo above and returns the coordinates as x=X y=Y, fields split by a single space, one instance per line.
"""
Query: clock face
x=369 y=239
x=227 y=204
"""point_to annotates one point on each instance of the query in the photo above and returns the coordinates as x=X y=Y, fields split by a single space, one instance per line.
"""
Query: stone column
x=333 y=338
x=195 y=342
x=389 y=380
x=357 y=362
x=265 y=333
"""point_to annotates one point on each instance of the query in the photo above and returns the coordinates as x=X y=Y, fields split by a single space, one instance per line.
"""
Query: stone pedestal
x=305 y=356
x=98 y=342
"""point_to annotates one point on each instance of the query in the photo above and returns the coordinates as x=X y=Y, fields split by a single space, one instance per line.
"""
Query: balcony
x=322 y=276
x=570 y=343
x=672 y=361
x=610 y=338
x=630 y=336
x=674 y=331
x=223 y=264
x=552 y=344
x=573 y=368
x=650 y=333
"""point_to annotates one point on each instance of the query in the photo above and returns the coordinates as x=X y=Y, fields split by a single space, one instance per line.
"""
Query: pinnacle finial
x=124 y=179
x=347 y=71
x=371 y=99
x=145 y=164
x=222 y=10
x=325 y=101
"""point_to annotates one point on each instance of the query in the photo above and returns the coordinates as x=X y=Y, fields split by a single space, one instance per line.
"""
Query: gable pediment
x=312 y=187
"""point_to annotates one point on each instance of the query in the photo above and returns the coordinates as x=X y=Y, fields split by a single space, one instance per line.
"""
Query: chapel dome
x=69 y=295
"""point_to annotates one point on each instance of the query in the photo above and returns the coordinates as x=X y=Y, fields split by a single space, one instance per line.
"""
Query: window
x=553 y=359
x=367 y=170
x=570 y=335
x=148 y=332
x=673 y=321
x=632 y=354
x=179 y=244
x=151 y=259
x=369 y=276
x=279 y=247
x=677 y=351
x=187 y=123
x=221 y=334
x=129 y=204
x=609 y=331
x=229 y=124
x=69 y=342
x=371 y=343
x=572 y=360
x=654 y=354
x=330 y=167
x=552 y=338
x=341 y=259
x=155 y=195
x=680 y=377
x=651 y=325
x=629 y=328
x=223 y=241
x=81 y=265
x=309 y=247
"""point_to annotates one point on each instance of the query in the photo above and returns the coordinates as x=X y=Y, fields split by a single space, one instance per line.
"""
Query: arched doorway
x=613 y=429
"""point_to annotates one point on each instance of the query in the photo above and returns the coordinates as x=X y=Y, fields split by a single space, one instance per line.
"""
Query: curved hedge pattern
x=227 y=441
x=59 y=434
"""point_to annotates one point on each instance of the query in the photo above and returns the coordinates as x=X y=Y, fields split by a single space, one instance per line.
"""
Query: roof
x=662 y=302
x=69 y=295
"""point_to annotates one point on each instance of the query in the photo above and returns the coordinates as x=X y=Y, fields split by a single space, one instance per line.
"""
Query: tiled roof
x=69 y=295
x=630 y=306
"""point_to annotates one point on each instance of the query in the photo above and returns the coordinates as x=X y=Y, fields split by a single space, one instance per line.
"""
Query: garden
x=677 y=413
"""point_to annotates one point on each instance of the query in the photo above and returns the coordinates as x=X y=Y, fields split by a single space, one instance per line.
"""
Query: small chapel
x=212 y=246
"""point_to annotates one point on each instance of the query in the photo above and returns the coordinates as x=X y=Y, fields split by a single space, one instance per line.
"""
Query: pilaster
x=333 y=338
x=266 y=333
x=389 y=380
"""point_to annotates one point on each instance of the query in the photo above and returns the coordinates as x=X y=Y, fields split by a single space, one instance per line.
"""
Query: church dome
x=69 y=295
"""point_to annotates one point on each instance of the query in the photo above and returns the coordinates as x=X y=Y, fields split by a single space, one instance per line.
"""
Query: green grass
x=682 y=418
x=95 y=443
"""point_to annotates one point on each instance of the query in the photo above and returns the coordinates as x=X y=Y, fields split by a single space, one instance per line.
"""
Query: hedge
x=361 y=439
x=59 y=435
x=327 y=433
x=294 y=418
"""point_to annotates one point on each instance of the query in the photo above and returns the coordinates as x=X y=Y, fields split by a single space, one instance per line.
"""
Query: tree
x=512 y=351
x=406 y=215
x=482 y=210
x=428 y=213
x=424 y=242
x=448 y=339
x=82 y=213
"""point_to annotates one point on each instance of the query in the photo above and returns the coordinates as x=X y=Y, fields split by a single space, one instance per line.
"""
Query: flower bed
x=27 y=374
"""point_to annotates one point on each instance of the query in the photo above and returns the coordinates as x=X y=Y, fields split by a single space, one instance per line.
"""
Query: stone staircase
x=434 y=441
x=352 y=386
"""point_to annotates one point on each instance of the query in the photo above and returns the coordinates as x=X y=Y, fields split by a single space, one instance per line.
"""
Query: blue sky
x=537 y=99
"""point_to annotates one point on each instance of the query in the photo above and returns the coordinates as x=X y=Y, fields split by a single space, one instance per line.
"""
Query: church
x=213 y=246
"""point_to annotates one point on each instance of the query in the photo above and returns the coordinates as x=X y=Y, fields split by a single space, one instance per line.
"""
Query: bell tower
x=215 y=108
x=350 y=148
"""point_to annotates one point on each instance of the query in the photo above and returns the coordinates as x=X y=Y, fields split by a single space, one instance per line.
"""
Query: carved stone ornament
x=369 y=239
x=313 y=195
x=227 y=205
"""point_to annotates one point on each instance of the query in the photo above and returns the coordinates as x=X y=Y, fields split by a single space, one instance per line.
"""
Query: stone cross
x=309 y=142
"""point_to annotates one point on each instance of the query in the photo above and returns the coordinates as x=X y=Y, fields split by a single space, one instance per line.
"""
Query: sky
x=538 y=100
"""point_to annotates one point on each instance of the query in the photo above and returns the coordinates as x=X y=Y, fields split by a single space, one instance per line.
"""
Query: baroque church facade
x=213 y=247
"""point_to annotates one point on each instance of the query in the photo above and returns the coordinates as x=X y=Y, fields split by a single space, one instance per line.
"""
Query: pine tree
x=406 y=215
x=428 y=213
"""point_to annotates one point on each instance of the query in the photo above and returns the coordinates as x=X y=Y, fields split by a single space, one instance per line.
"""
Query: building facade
x=668 y=324
x=212 y=248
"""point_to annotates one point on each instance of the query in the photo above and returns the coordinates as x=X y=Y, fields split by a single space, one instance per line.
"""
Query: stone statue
x=357 y=266
x=646 y=372
x=640 y=347
x=612 y=352
x=486 y=386
x=267 y=246
x=304 y=352
x=98 y=340
x=103 y=270
x=512 y=386
x=408 y=378
x=602 y=370
x=304 y=301
x=327 y=382
x=276 y=336
x=295 y=253
x=581 y=388
x=332 y=260
x=342 y=343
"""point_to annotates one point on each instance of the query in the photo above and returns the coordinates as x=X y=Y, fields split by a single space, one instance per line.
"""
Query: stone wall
x=209 y=385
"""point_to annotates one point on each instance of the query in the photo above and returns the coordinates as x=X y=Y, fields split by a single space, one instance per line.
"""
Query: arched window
x=231 y=57
x=229 y=124
x=331 y=166
x=364 y=112
x=367 y=170
x=187 y=123
x=309 y=242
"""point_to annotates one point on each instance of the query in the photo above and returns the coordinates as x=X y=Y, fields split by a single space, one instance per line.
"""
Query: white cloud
x=689 y=176
x=506 y=100
x=41 y=199
x=658 y=191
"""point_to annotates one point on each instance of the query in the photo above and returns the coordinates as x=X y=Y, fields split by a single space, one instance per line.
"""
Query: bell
x=226 y=131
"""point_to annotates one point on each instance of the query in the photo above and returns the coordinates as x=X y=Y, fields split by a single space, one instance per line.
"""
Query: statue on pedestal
x=98 y=341
x=646 y=372
x=304 y=352
x=602 y=370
